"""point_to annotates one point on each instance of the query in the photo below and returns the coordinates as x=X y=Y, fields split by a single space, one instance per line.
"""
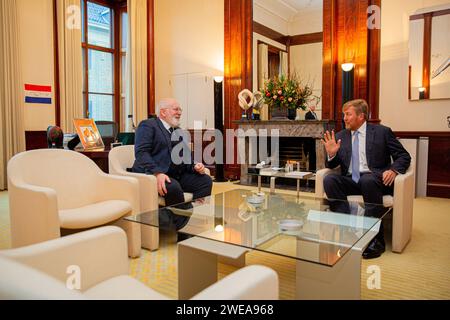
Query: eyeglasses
x=177 y=109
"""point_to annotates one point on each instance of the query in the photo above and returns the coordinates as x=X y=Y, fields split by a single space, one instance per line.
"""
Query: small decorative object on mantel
x=245 y=102
x=285 y=94
x=258 y=102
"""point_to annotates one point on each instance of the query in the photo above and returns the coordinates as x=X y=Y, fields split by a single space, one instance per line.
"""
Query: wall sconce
x=421 y=93
x=218 y=123
x=347 y=84
x=218 y=227
x=347 y=81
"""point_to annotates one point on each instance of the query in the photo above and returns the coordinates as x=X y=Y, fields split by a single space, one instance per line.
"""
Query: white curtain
x=283 y=63
x=12 y=132
x=136 y=93
x=70 y=62
x=263 y=74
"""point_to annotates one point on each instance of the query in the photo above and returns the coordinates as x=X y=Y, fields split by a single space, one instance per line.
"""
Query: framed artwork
x=88 y=133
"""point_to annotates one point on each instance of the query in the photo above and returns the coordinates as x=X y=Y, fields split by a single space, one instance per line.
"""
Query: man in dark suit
x=363 y=151
x=311 y=115
x=155 y=140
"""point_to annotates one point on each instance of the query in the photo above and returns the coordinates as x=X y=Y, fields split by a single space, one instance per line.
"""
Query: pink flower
x=290 y=99
x=275 y=97
x=280 y=92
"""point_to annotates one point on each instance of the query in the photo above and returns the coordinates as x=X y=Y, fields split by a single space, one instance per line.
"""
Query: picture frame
x=89 y=135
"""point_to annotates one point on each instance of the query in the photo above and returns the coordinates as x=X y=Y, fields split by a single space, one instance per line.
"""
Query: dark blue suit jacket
x=153 y=147
x=381 y=145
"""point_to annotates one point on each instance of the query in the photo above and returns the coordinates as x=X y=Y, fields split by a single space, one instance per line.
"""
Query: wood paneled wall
x=346 y=38
x=237 y=63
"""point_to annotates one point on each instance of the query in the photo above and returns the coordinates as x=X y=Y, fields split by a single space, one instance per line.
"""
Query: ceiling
x=288 y=10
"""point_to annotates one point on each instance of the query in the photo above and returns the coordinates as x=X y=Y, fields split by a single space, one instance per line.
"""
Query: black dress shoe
x=374 y=249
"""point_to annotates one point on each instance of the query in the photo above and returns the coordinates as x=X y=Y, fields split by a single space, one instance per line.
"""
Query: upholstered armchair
x=401 y=203
x=95 y=263
x=53 y=189
x=121 y=158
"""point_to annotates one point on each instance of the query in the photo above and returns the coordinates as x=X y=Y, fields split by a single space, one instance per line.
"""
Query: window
x=102 y=59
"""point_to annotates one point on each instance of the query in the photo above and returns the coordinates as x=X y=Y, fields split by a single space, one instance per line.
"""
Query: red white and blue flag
x=38 y=94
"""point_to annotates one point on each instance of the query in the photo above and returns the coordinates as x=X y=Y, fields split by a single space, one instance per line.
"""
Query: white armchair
x=54 y=189
x=121 y=158
x=95 y=263
x=401 y=203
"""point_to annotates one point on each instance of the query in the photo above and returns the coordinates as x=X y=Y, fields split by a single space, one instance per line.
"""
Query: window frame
x=114 y=50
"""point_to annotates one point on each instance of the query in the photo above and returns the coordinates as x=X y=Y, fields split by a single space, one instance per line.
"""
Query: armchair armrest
x=148 y=192
x=99 y=253
x=403 y=209
x=111 y=187
x=250 y=283
x=320 y=176
x=33 y=213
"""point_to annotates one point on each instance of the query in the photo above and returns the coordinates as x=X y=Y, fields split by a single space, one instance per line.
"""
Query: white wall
x=189 y=38
x=396 y=111
x=36 y=57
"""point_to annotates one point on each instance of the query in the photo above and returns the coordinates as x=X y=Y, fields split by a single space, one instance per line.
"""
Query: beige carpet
x=422 y=271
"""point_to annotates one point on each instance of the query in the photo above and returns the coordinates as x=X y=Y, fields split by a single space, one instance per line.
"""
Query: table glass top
x=315 y=230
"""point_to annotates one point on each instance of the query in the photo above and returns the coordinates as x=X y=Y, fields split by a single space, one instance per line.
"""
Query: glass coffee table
x=325 y=237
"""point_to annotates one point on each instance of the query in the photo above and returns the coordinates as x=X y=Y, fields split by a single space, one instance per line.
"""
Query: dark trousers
x=200 y=185
x=370 y=186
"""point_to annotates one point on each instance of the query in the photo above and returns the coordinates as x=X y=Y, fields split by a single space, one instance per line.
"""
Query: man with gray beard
x=153 y=148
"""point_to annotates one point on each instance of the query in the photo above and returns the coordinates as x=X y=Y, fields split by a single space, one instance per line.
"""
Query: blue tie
x=355 y=158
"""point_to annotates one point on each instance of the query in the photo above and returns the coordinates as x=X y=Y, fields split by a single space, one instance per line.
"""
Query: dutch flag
x=38 y=94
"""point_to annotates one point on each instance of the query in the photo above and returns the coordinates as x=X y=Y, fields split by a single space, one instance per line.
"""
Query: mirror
x=287 y=39
x=429 y=54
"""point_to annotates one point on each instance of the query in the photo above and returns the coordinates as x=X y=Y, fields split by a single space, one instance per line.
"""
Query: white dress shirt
x=166 y=125
x=363 y=167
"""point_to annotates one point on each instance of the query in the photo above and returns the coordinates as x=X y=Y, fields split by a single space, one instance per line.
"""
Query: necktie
x=355 y=158
x=171 y=130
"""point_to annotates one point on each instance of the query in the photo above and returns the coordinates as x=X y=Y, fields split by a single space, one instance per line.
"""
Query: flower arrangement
x=281 y=92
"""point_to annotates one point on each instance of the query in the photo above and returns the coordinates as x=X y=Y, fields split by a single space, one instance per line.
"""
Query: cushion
x=122 y=288
x=93 y=215
x=187 y=197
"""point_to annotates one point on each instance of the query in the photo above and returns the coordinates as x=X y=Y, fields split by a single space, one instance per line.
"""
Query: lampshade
x=347 y=66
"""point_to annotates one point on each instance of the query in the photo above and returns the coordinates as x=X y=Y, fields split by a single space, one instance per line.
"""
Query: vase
x=292 y=113
x=278 y=114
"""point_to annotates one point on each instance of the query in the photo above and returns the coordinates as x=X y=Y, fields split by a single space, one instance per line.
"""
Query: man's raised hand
x=329 y=141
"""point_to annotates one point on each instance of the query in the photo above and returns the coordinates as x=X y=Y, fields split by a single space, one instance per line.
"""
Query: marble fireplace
x=287 y=129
